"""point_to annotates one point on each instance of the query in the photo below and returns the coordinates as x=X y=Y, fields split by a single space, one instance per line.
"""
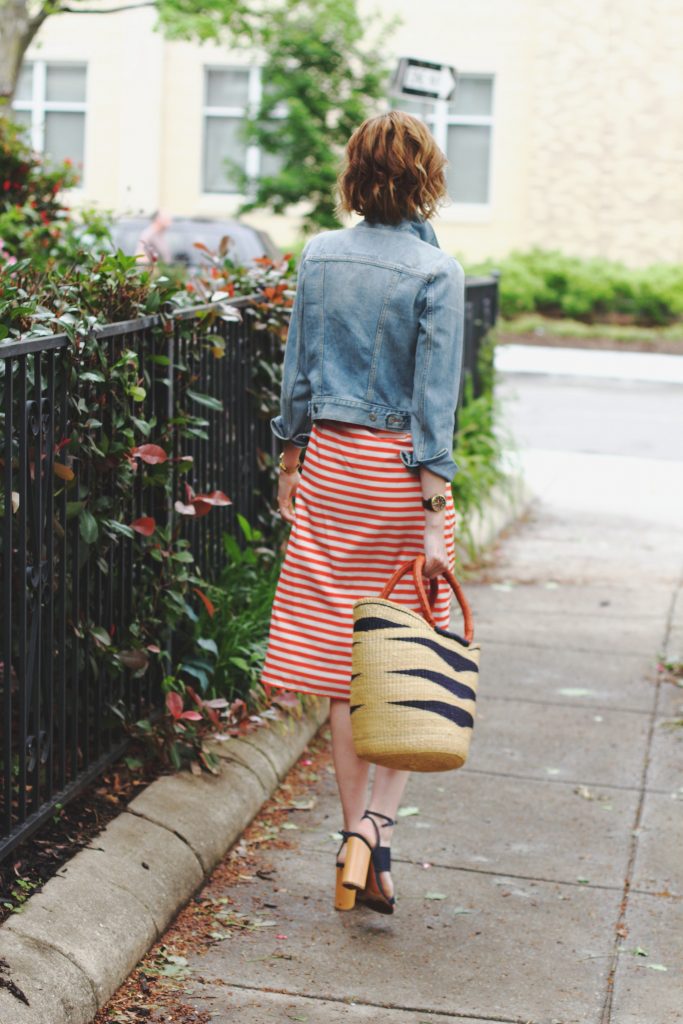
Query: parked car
x=246 y=242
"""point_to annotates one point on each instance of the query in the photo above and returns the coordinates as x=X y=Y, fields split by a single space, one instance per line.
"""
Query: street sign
x=424 y=78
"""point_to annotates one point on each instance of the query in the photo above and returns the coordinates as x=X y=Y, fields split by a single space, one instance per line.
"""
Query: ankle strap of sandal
x=386 y=820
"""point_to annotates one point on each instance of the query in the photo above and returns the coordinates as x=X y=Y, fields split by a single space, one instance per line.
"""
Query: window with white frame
x=50 y=100
x=230 y=94
x=463 y=129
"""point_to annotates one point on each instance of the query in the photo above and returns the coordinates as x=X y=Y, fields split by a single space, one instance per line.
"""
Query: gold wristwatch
x=286 y=469
x=436 y=503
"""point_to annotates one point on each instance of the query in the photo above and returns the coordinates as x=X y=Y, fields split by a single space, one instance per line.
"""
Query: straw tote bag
x=413 y=684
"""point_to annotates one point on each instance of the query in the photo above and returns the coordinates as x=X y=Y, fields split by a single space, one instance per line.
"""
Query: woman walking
x=370 y=384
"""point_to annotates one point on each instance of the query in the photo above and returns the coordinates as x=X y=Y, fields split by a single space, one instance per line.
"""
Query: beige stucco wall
x=607 y=129
x=587 y=150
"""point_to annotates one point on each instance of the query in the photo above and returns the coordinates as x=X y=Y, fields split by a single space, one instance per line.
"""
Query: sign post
x=425 y=78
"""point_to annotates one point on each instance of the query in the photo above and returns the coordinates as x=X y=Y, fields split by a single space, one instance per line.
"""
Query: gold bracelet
x=284 y=468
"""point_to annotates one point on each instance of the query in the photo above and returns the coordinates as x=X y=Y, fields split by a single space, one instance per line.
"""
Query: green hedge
x=550 y=282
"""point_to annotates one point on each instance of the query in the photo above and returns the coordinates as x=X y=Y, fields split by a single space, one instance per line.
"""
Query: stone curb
x=79 y=938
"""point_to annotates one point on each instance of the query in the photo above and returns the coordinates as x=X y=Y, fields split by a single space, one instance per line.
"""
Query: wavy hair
x=393 y=170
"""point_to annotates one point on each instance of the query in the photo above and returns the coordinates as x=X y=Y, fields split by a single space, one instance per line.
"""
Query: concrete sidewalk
x=541 y=883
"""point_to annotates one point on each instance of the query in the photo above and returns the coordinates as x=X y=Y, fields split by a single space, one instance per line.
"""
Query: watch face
x=438 y=502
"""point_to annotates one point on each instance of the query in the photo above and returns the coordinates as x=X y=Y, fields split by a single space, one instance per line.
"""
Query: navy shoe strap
x=381 y=858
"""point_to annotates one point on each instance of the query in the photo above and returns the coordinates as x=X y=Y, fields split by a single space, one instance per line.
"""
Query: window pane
x=227 y=87
x=64 y=136
x=414 y=105
x=473 y=95
x=468 y=163
x=221 y=142
x=24 y=89
x=65 y=83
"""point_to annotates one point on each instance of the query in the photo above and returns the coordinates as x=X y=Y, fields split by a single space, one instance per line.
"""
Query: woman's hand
x=286 y=489
x=436 y=556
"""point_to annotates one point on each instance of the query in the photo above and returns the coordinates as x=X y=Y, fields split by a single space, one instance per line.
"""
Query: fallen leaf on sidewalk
x=575 y=691
x=657 y=967
x=588 y=794
x=303 y=805
x=289 y=824
x=405 y=812
x=435 y=895
x=639 y=951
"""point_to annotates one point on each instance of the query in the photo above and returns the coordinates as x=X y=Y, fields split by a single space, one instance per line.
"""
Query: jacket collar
x=403 y=225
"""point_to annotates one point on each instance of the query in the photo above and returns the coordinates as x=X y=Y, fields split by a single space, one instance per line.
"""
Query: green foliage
x=118 y=455
x=556 y=284
x=208 y=20
x=478 y=449
x=320 y=81
x=242 y=600
x=25 y=180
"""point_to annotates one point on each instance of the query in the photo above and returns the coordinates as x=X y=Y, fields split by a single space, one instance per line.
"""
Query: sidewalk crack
x=347 y=1000
x=606 y=1015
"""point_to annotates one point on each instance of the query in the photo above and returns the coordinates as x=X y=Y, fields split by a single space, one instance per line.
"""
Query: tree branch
x=107 y=10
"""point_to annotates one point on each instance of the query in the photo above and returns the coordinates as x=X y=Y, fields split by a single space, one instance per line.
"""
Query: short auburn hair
x=393 y=170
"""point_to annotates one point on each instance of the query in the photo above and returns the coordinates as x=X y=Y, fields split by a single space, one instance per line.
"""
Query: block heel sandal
x=364 y=862
x=344 y=899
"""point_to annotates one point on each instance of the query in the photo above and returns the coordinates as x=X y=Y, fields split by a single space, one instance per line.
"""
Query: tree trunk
x=17 y=29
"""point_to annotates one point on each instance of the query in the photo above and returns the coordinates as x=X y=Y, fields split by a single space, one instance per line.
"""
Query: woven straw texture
x=413 y=689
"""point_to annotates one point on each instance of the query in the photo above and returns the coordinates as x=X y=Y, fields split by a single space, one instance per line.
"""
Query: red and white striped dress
x=358 y=515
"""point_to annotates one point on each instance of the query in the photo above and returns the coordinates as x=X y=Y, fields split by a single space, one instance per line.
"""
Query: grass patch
x=548 y=327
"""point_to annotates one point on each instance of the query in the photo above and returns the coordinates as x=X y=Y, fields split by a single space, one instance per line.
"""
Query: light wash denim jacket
x=376 y=338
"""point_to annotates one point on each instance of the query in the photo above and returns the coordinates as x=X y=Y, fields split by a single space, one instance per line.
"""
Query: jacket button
x=372 y=416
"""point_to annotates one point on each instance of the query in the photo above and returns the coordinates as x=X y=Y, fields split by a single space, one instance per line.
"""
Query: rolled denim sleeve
x=294 y=422
x=438 y=368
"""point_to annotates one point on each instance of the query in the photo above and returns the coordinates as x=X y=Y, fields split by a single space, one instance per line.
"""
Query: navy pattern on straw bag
x=413 y=684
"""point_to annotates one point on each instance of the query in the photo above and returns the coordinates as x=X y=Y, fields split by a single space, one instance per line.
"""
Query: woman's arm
x=436 y=555
x=438 y=367
x=293 y=422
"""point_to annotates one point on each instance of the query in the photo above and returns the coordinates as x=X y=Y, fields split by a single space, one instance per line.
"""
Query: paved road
x=602 y=444
x=542 y=883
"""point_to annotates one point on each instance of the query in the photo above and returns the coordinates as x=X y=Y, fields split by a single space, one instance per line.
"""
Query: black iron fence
x=57 y=732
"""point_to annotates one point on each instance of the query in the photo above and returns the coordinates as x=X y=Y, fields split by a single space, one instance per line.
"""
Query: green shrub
x=478 y=449
x=556 y=284
x=236 y=617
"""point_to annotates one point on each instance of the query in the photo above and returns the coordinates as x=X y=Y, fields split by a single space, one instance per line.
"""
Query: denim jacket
x=376 y=338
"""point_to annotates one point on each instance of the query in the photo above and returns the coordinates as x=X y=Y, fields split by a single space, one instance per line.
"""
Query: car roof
x=247 y=242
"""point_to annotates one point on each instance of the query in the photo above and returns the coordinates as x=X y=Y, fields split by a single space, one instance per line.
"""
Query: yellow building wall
x=587 y=144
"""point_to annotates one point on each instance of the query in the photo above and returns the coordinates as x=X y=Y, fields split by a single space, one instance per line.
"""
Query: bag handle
x=427 y=606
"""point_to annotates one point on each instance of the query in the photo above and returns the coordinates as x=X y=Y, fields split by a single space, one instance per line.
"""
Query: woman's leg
x=352 y=779
x=351 y=770
x=387 y=789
